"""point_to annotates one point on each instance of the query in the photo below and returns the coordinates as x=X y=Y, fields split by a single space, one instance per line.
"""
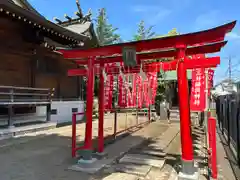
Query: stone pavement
x=47 y=155
x=151 y=153
x=224 y=167
x=200 y=151
x=148 y=160
x=123 y=122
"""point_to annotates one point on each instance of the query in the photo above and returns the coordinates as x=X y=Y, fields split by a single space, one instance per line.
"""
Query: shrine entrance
x=172 y=97
x=133 y=57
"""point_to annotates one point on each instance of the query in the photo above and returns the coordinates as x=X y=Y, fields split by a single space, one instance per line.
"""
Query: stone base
x=189 y=171
x=87 y=166
x=83 y=161
x=183 y=176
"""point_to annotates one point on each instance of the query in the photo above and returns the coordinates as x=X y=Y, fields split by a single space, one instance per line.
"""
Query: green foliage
x=106 y=33
x=147 y=33
x=143 y=32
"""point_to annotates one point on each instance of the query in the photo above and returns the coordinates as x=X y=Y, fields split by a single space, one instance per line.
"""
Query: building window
x=54 y=111
x=74 y=110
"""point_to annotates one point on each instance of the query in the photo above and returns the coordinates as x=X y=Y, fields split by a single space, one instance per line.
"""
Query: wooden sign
x=129 y=56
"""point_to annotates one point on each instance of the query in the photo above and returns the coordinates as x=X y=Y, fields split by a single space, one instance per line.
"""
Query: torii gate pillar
x=89 y=110
x=101 y=111
x=188 y=171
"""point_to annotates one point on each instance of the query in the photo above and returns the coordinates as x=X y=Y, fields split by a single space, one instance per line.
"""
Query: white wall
x=63 y=110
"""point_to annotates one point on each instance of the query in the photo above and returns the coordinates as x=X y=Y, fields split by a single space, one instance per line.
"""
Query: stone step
x=24 y=130
x=143 y=160
x=154 y=153
x=121 y=176
x=166 y=173
x=134 y=169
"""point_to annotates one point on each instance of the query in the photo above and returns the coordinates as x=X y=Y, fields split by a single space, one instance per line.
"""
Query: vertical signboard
x=197 y=99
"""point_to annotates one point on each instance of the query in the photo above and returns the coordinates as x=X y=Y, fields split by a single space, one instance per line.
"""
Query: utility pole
x=230 y=68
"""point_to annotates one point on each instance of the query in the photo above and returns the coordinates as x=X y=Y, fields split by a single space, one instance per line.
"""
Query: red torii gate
x=179 y=47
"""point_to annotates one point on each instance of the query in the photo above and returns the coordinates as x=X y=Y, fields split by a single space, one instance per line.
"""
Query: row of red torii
x=179 y=48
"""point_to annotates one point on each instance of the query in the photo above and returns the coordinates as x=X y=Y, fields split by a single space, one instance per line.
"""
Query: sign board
x=197 y=98
x=129 y=56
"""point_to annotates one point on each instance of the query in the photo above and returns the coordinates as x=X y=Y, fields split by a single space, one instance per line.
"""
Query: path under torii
x=178 y=47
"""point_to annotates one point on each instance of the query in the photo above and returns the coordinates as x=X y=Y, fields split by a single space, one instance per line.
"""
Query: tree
x=143 y=32
x=106 y=33
x=162 y=84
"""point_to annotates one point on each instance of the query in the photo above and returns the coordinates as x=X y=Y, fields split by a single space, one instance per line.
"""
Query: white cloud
x=207 y=20
x=233 y=35
x=152 y=14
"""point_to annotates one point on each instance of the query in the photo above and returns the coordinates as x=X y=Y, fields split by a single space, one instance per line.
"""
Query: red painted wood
x=189 y=63
x=101 y=112
x=213 y=146
x=74 y=123
x=184 y=109
x=77 y=72
x=154 y=67
x=207 y=36
x=201 y=49
x=89 y=104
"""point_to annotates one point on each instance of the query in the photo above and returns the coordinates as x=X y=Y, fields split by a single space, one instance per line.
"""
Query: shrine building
x=34 y=86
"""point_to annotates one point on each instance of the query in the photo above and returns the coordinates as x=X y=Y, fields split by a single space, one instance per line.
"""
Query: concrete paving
x=121 y=176
x=225 y=171
x=47 y=155
x=135 y=169
x=200 y=150
x=137 y=158
x=143 y=160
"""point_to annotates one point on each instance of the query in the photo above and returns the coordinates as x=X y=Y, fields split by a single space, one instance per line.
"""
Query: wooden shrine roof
x=26 y=5
x=47 y=28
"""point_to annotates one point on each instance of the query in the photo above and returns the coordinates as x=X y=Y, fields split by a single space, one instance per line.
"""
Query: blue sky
x=185 y=15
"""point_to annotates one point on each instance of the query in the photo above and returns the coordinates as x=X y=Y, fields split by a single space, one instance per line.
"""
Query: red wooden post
x=101 y=111
x=185 y=124
x=74 y=122
x=89 y=109
x=209 y=135
x=209 y=131
x=213 y=147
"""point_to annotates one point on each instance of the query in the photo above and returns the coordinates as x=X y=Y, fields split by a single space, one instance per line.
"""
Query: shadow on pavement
x=46 y=156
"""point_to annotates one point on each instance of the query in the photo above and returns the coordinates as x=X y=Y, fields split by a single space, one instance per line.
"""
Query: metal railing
x=118 y=122
x=24 y=95
x=12 y=97
x=228 y=115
